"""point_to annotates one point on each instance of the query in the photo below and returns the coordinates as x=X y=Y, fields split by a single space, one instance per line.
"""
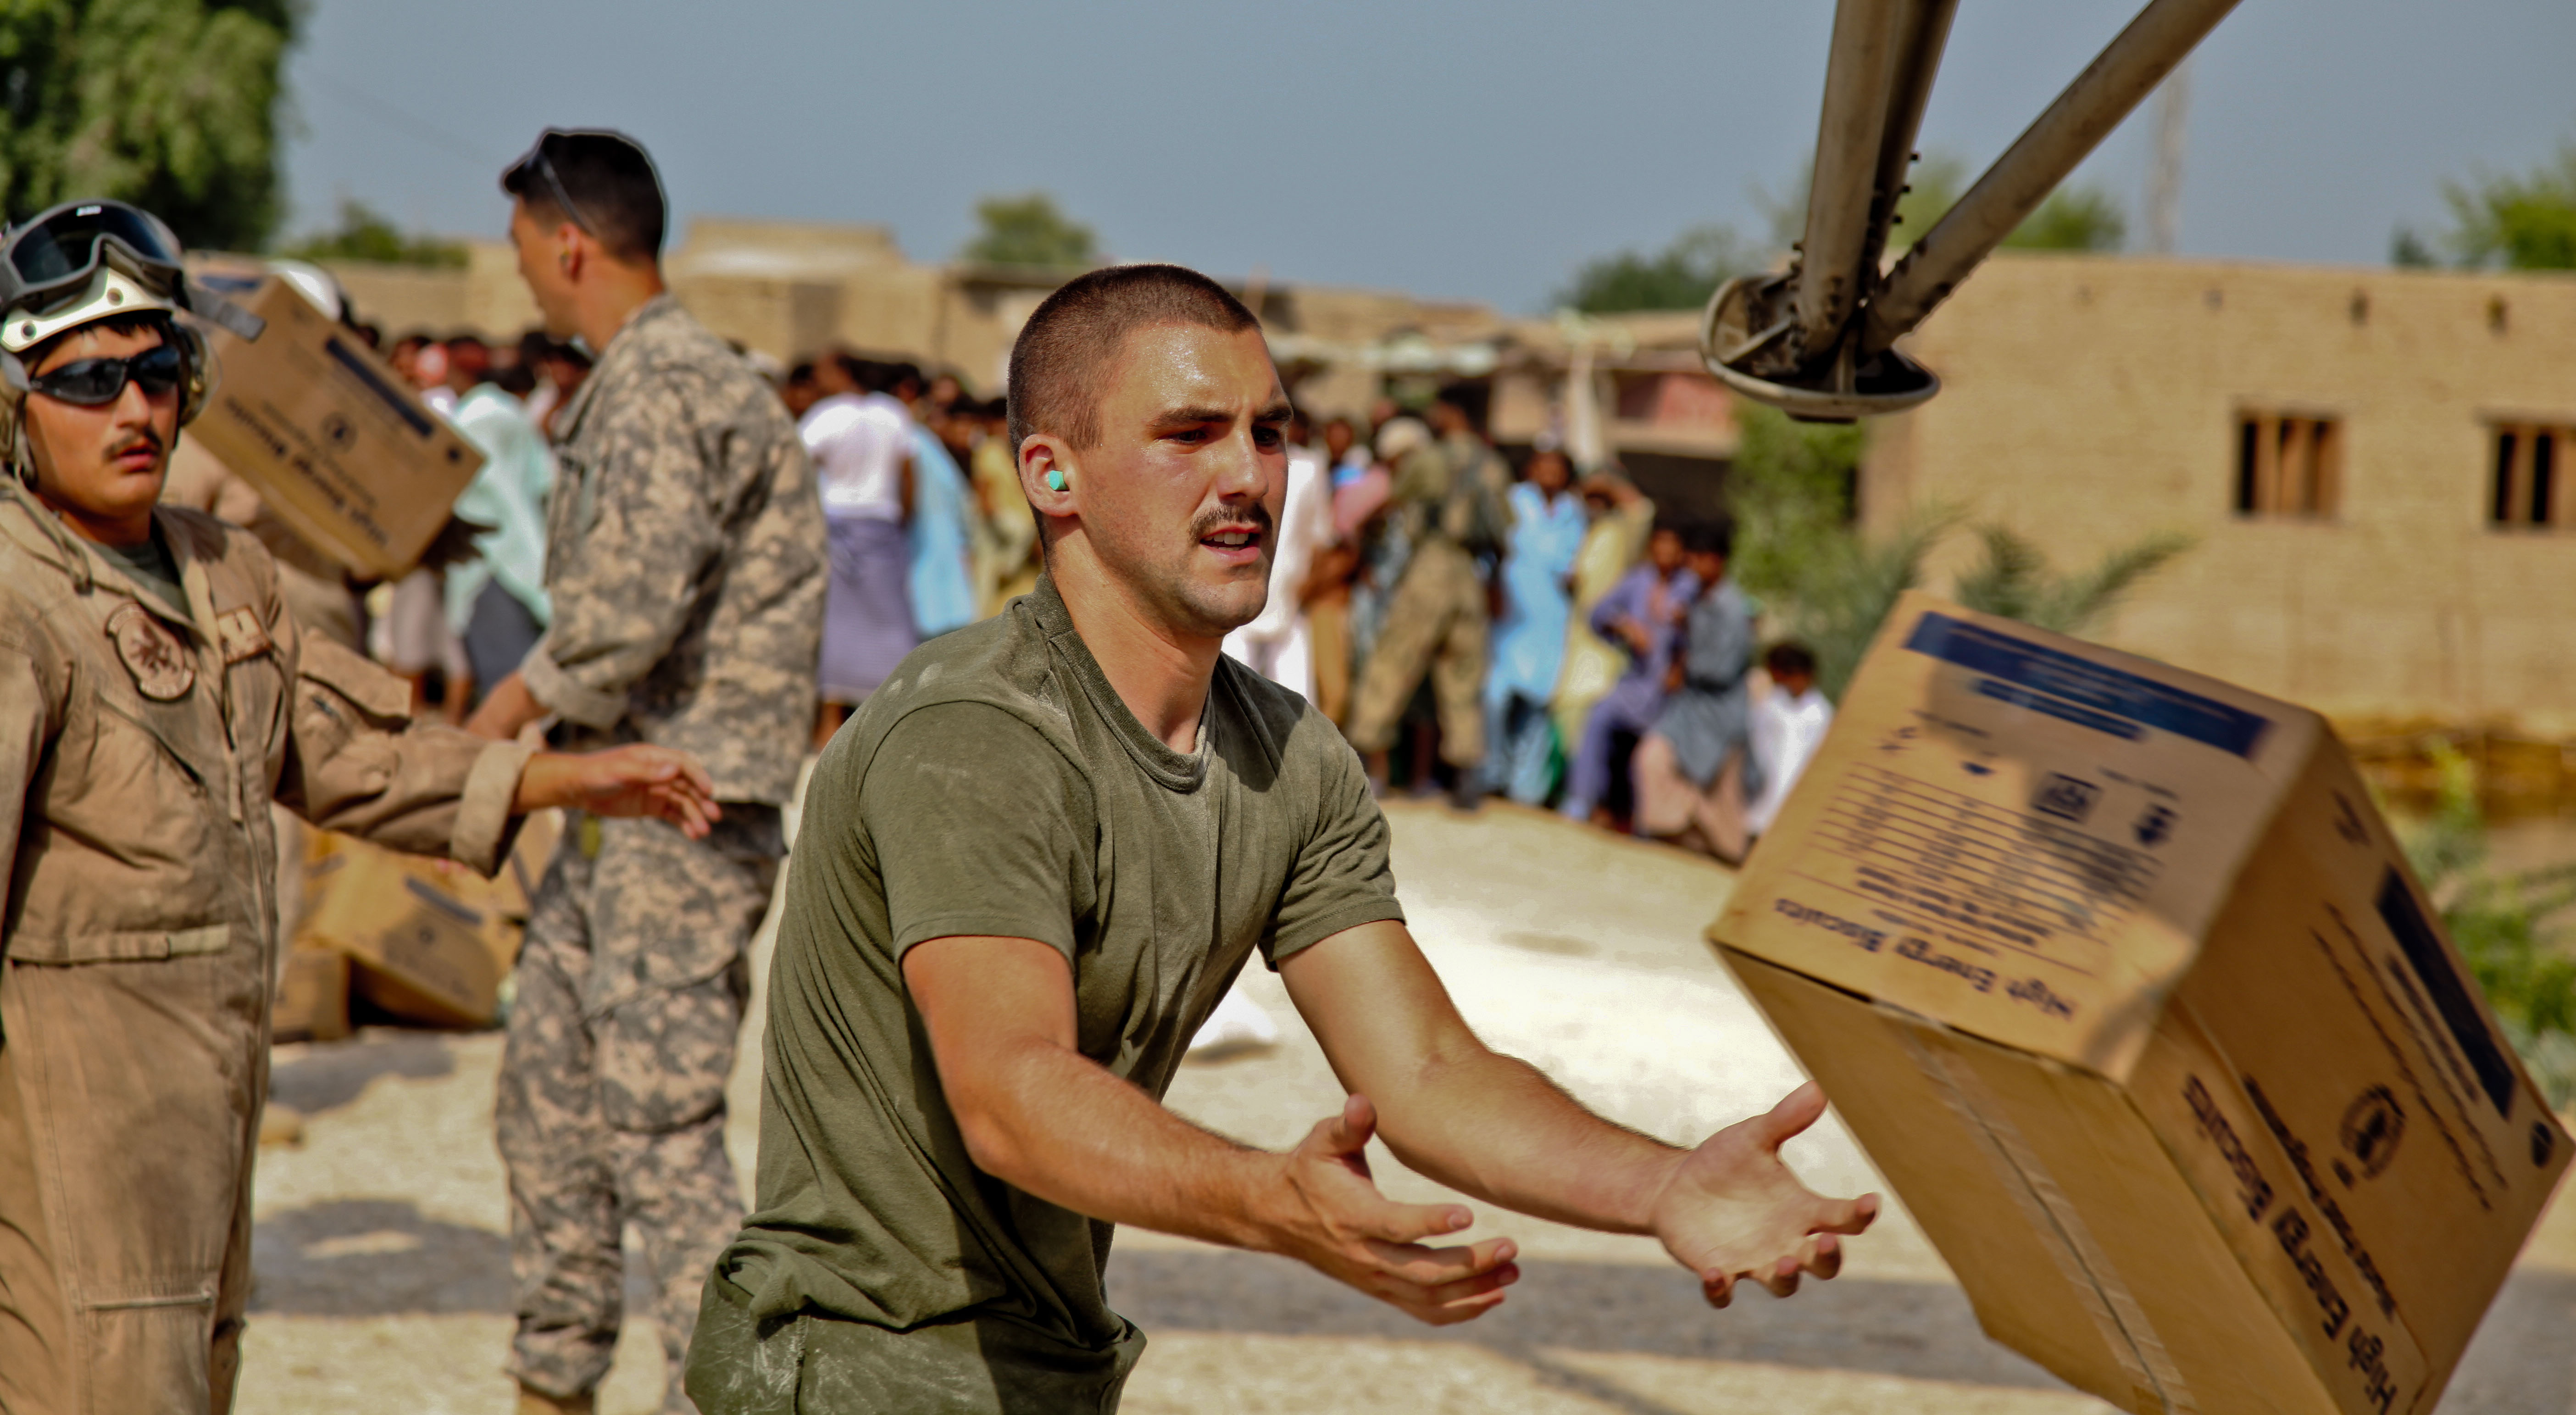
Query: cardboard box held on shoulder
x=337 y=445
x=2120 y=978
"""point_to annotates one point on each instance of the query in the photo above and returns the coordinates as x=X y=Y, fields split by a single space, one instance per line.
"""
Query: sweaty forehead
x=1162 y=367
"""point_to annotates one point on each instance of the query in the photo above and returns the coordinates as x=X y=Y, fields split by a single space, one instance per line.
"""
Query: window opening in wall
x=2524 y=489
x=2288 y=465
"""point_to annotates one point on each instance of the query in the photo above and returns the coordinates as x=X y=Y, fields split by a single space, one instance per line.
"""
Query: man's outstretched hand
x=1732 y=1210
x=1335 y=1221
x=637 y=780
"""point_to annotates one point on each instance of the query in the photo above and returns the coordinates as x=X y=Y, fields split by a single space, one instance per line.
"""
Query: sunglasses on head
x=536 y=160
x=92 y=382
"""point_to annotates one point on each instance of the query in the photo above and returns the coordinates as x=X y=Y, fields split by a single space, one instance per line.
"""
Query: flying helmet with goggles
x=85 y=261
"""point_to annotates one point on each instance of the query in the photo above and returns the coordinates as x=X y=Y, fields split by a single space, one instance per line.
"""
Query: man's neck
x=620 y=293
x=1162 y=676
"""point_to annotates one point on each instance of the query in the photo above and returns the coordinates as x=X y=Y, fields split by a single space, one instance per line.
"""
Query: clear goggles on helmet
x=55 y=254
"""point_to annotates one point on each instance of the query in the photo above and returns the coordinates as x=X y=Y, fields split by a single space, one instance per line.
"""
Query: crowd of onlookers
x=1519 y=632
x=1525 y=631
x=1478 y=624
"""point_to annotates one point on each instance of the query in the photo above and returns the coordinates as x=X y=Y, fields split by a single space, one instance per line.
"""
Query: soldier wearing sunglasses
x=155 y=698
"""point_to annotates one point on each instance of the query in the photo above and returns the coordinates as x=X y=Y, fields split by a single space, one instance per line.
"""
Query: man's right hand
x=1334 y=1220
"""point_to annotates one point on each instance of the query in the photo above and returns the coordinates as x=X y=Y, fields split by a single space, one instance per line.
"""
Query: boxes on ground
x=428 y=941
x=312 y=996
x=338 y=447
x=2119 y=977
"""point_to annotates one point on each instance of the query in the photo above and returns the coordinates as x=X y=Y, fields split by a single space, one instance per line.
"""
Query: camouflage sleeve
x=628 y=576
x=357 y=762
x=1419 y=478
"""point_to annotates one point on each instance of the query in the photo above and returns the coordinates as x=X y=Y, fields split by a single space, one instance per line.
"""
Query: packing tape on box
x=2088 y=1270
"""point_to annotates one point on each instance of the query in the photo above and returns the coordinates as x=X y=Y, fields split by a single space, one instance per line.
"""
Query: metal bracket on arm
x=1819 y=341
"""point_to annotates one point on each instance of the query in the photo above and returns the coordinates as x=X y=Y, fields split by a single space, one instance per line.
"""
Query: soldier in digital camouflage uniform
x=1451 y=496
x=685 y=562
x=156 y=696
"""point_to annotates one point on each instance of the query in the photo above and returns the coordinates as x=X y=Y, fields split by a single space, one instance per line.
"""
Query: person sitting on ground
x=1643 y=616
x=1691 y=770
x=975 y=1008
x=1789 y=724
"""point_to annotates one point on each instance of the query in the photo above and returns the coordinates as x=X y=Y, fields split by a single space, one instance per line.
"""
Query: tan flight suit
x=1437 y=622
x=139 y=753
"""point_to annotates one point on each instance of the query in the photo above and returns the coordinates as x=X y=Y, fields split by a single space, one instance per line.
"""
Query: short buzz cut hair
x=1069 y=343
x=613 y=189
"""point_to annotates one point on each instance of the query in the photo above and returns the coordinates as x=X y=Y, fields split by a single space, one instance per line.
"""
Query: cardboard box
x=2119 y=977
x=339 y=447
x=428 y=941
x=312 y=997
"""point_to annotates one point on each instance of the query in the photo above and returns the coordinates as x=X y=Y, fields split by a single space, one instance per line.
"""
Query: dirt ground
x=382 y=1250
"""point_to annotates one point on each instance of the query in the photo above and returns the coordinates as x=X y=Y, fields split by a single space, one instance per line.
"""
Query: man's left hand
x=637 y=780
x=1731 y=1209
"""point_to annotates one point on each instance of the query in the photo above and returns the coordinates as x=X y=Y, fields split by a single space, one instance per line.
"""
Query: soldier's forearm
x=506 y=709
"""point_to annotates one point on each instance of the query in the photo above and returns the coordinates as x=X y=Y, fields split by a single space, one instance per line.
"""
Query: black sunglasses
x=92 y=382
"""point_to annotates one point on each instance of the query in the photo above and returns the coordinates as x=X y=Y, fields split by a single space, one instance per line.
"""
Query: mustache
x=1211 y=521
x=146 y=437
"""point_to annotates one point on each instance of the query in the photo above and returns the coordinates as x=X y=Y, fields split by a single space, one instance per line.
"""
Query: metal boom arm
x=1820 y=340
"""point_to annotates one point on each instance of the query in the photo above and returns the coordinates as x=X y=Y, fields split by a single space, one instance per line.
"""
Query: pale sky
x=1476 y=151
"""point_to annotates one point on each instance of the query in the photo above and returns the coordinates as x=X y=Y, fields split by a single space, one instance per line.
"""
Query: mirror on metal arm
x=1819 y=341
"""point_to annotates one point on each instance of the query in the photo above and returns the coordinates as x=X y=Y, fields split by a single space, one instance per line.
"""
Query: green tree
x=1790 y=489
x=1796 y=549
x=2072 y=219
x=2502 y=924
x=1932 y=186
x=2520 y=222
x=2011 y=578
x=1681 y=276
x=1030 y=230
x=365 y=234
x=169 y=104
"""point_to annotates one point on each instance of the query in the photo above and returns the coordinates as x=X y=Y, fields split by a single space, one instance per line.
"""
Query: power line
x=401 y=120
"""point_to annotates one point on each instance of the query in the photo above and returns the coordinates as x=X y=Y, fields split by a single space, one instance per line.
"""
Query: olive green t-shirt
x=996 y=785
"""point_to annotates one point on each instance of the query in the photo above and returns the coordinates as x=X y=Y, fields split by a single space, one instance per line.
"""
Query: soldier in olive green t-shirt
x=1008 y=793
x=1029 y=867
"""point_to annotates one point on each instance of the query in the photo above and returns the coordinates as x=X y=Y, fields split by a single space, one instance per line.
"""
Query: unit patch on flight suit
x=240 y=634
x=156 y=658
